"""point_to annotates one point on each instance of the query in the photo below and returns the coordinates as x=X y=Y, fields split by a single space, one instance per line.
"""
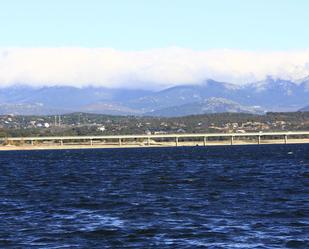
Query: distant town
x=98 y=124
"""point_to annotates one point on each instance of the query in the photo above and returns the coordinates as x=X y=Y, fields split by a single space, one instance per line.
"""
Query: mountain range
x=208 y=97
x=305 y=109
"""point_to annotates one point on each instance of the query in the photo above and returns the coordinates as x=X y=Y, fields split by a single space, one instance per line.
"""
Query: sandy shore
x=141 y=145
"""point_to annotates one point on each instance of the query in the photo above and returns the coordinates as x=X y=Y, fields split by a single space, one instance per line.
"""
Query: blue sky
x=152 y=43
x=146 y=24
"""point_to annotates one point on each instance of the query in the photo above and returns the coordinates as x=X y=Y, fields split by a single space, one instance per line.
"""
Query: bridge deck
x=193 y=135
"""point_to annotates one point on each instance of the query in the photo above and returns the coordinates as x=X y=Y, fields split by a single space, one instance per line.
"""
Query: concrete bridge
x=172 y=139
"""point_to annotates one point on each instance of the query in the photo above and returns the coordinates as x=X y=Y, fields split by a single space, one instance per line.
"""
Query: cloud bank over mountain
x=156 y=68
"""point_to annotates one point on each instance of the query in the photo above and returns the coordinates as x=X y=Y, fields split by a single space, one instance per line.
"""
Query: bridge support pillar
x=176 y=141
x=120 y=142
x=205 y=141
x=148 y=141
x=32 y=142
x=91 y=142
x=232 y=140
x=61 y=142
x=285 y=139
x=259 y=139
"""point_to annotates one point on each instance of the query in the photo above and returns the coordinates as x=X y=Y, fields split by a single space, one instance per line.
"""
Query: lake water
x=185 y=197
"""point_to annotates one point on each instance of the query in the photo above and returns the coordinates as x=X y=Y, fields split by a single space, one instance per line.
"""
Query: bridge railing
x=176 y=137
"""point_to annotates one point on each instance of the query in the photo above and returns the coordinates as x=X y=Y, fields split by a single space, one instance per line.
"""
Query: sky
x=160 y=42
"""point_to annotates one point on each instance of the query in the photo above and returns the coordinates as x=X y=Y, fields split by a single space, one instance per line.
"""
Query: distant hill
x=268 y=95
x=305 y=109
x=211 y=105
x=29 y=109
x=271 y=95
x=47 y=100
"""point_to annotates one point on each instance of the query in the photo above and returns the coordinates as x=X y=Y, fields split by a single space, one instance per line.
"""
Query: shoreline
x=152 y=145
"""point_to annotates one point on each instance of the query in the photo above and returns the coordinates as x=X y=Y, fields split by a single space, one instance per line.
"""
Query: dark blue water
x=213 y=197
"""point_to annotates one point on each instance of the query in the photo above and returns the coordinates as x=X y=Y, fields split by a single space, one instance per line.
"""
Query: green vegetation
x=97 y=124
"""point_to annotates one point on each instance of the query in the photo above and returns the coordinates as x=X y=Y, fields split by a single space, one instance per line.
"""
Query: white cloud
x=154 y=68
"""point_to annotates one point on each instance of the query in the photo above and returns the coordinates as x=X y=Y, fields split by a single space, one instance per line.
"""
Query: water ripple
x=218 y=197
